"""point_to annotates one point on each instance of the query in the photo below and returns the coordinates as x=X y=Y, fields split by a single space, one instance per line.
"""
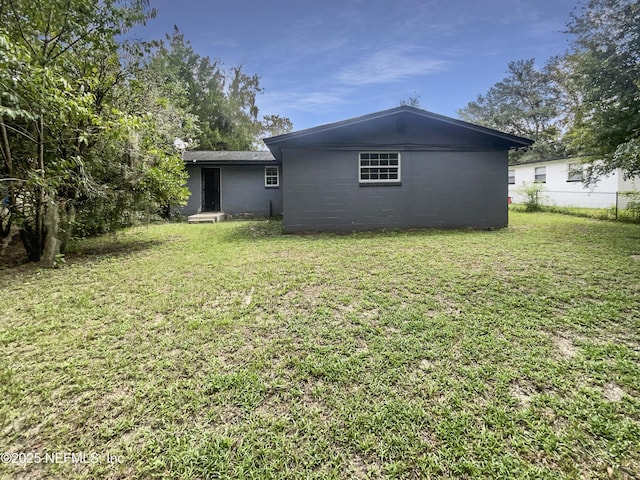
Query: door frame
x=217 y=183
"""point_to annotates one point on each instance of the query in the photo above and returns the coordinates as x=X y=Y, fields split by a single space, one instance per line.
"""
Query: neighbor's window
x=271 y=177
x=574 y=172
x=541 y=174
x=378 y=167
x=512 y=177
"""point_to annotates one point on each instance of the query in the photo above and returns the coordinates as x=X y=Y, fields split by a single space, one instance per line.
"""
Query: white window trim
x=277 y=175
x=379 y=181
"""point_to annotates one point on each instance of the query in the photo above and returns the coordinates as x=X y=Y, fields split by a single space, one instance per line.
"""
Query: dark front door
x=211 y=189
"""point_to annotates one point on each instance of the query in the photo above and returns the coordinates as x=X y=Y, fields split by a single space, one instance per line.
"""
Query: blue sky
x=324 y=61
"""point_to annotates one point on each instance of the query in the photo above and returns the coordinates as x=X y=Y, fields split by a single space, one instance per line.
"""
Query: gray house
x=399 y=168
x=237 y=183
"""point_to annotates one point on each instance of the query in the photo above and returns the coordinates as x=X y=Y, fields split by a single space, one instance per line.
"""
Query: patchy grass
x=231 y=351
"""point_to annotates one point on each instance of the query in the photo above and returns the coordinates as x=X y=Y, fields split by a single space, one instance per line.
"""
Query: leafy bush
x=533 y=196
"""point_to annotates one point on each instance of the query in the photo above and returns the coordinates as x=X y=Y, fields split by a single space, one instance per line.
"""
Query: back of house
x=400 y=168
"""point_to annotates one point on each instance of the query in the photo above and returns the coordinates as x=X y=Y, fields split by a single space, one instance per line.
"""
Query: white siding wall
x=626 y=186
x=558 y=191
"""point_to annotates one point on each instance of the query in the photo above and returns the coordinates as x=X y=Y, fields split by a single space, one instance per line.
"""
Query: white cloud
x=391 y=64
x=311 y=101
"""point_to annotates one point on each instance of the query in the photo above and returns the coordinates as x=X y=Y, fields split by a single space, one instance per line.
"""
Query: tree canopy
x=524 y=103
x=584 y=102
x=89 y=122
x=604 y=66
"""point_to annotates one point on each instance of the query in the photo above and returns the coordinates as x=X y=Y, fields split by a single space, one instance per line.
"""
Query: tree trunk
x=31 y=241
x=67 y=221
x=33 y=236
x=52 y=243
x=11 y=232
x=5 y=211
x=33 y=233
x=6 y=148
x=41 y=204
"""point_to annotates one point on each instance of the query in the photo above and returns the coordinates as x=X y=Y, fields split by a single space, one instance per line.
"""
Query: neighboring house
x=563 y=185
x=399 y=168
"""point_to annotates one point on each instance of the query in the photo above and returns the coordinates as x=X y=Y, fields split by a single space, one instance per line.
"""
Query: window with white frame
x=574 y=172
x=541 y=175
x=271 y=177
x=379 y=167
x=512 y=177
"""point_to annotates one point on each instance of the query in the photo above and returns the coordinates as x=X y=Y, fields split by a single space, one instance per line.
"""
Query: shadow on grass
x=110 y=247
x=93 y=250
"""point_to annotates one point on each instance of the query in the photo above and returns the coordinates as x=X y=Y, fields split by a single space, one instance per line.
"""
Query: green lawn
x=231 y=351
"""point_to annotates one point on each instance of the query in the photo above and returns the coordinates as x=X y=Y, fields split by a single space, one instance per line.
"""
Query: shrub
x=533 y=195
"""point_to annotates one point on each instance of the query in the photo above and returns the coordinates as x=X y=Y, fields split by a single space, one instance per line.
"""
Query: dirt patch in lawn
x=564 y=345
x=523 y=392
x=613 y=392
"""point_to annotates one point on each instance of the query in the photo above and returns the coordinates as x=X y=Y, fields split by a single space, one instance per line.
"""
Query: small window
x=271 y=177
x=512 y=177
x=574 y=172
x=379 y=167
x=541 y=175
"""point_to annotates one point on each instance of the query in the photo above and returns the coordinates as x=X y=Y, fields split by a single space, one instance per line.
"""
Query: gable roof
x=403 y=127
x=225 y=157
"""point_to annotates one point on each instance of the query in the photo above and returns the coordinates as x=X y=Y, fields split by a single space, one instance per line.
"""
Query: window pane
x=379 y=166
x=574 y=172
x=271 y=176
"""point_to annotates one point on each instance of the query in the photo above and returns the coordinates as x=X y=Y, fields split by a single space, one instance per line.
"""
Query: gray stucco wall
x=439 y=189
x=242 y=191
x=194 y=184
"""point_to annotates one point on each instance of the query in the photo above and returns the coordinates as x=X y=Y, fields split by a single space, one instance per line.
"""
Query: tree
x=525 y=103
x=274 y=125
x=604 y=67
x=412 y=101
x=67 y=140
x=224 y=102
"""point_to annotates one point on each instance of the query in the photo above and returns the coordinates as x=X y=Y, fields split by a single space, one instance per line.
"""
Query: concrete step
x=207 y=217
